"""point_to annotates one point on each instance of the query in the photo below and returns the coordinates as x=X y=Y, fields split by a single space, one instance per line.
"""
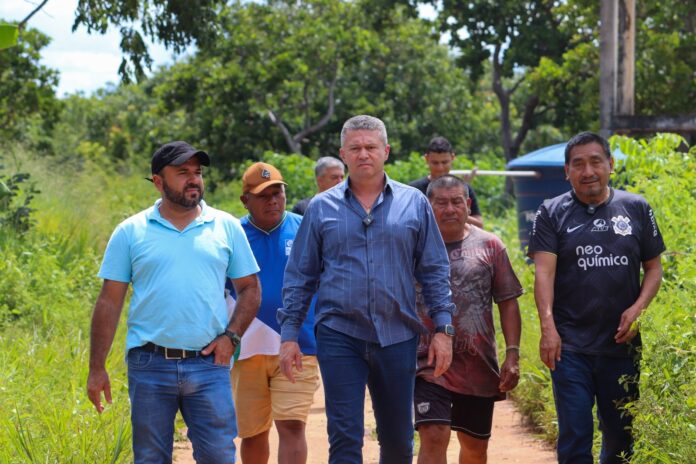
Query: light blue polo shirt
x=178 y=277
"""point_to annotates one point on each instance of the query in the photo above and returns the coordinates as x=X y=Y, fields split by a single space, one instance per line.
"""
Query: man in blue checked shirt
x=359 y=248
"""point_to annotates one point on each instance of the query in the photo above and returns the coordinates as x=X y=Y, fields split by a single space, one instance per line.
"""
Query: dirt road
x=510 y=443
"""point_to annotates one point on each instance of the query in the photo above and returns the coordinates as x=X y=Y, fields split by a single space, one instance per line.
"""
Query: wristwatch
x=234 y=338
x=447 y=329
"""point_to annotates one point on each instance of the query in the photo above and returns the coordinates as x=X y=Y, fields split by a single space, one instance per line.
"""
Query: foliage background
x=71 y=168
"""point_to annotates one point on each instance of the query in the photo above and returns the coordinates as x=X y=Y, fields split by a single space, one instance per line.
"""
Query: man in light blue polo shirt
x=177 y=255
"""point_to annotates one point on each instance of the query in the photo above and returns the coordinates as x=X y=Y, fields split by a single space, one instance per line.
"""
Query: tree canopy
x=495 y=77
x=28 y=105
x=289 y=84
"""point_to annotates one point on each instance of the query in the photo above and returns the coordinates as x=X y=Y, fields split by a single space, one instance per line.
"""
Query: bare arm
x=107 y=311
x=476 y=220
x=544 y=276
x=248 y=290
x=511 y=323
x=652 y=278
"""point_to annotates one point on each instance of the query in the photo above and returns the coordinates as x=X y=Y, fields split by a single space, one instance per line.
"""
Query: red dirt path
x=510 y=441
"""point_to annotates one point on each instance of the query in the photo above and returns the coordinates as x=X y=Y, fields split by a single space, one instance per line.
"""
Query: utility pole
x=617 y=45
x=616 y=62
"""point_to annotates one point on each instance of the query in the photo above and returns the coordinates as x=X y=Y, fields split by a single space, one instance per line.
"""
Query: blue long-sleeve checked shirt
x=364 y=275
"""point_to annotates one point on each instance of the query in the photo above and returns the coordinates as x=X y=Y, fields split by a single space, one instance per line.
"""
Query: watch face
x=447 y=329
x=233 y=337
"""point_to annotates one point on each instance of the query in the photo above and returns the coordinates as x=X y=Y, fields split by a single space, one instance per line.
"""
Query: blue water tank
x=549 y=163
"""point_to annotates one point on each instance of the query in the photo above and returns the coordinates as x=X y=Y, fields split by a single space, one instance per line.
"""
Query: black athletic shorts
x=472 y=415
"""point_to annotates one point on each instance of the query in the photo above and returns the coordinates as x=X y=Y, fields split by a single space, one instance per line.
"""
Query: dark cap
x=175 y=154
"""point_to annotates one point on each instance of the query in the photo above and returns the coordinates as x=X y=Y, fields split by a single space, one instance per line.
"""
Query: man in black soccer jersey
x=588 y=246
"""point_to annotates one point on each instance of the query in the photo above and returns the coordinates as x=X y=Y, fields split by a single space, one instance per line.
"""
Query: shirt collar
x=602 y=204
x=345 y=185
x=267 y=232
x=206 y=214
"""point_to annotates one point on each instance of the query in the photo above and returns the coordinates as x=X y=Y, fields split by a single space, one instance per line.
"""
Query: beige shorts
x=263 y=394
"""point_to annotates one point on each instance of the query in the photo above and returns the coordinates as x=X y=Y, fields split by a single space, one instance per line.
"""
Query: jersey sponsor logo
x=599 y=225
x=590 y=256
x=288 y=246
x=573 y=229
x=423 y=407
x=622 y=225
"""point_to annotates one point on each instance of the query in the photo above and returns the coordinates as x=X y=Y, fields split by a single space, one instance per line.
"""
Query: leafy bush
x=665 y=424
x=16 y=194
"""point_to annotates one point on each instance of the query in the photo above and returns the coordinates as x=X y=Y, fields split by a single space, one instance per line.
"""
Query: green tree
x=665 y=60
x=511 y=36
x=27 y=90
x=175 y=23
x=284 y=75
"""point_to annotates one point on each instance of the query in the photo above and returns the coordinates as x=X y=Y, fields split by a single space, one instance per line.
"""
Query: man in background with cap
x=328 y=171
x=262 y=394
x=177 y=255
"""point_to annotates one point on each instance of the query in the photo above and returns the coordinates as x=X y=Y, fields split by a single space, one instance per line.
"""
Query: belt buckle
x=166 y=354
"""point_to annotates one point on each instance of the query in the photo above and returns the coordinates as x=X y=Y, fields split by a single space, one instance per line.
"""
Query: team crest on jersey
x=622 y=225
x=600 y=225
x=265 y=173
x=288 y=247
x=423 y=407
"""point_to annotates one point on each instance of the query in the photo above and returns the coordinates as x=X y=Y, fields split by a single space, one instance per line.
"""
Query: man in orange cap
x=262 y=394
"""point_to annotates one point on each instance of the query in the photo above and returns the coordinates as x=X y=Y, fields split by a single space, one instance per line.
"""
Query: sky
x=86 y=62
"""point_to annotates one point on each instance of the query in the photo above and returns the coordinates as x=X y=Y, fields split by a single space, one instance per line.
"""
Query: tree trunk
x=511 y=148
x=295 y=141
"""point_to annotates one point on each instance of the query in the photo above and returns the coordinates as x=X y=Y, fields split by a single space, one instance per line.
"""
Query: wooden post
x=625 y=72
x=608 y=15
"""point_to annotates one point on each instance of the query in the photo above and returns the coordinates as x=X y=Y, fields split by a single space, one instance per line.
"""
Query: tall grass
x=47 y=290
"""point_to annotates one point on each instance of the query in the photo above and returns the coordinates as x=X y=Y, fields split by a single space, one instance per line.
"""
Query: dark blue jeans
x=578 y=380
x=159 y=387
x=348 y=364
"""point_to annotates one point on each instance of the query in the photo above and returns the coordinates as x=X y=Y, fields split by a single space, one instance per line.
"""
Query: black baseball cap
x=175 y=154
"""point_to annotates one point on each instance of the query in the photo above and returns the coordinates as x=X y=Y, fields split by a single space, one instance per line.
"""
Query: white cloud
x=86 y=62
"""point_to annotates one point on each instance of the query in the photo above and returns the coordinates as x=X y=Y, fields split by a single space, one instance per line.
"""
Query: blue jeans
x=158 y=387
x=348 y=364
x=578 y=380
